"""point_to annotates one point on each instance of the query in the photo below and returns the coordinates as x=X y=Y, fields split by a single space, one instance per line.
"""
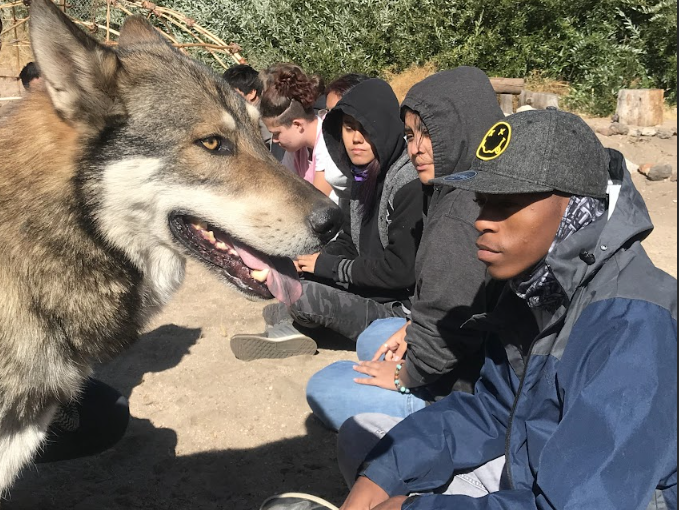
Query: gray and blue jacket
x=582 y=401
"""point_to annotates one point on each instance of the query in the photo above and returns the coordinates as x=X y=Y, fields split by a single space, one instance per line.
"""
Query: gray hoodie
x=458 y=108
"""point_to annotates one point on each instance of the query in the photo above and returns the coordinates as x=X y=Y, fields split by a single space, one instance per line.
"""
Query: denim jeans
x=334 y=397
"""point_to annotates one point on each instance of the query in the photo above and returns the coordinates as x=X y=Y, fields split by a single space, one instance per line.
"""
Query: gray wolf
x=113 y=171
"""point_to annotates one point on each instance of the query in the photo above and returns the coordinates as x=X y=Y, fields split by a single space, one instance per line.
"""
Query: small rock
x=525 y=108
x=649 y=132
x=645 y=168
x=635 y=133
x=665 y=134
x=660 y=173
x=605 y=131
x=674 y=177
x=619 y=128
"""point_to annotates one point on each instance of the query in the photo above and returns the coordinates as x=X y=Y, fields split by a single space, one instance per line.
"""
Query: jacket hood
x=627 y=220
x=373 y=104
x=458 y=107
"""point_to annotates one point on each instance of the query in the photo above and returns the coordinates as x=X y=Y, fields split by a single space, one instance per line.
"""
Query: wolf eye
x=216 y=144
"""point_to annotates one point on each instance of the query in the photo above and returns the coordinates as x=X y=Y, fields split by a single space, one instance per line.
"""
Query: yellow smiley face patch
x=495 y=142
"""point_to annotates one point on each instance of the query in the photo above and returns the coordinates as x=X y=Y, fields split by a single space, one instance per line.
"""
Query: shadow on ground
x=144 y=472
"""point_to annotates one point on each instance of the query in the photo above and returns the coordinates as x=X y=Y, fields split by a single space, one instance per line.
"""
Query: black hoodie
x=375 y=254
x=458 y=108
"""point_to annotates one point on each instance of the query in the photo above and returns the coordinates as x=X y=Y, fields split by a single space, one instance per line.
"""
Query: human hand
x=395 y=348
x=381 y=374
x=392 y=503
x=365 y=495
x=307 y=263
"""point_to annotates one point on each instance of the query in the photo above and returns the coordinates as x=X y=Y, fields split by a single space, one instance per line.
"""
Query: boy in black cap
x=579 y=389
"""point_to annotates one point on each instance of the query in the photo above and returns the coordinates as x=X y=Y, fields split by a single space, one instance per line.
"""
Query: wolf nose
x=326 y=221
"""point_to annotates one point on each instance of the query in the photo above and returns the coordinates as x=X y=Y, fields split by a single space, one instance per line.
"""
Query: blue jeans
x=334 y=397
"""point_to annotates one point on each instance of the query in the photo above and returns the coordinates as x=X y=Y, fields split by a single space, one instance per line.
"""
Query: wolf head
x=172 y=161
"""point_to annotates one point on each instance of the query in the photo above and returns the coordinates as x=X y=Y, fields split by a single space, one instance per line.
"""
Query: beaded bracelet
x=397 y=381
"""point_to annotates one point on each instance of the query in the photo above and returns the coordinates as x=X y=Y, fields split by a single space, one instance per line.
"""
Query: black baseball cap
x=537 y=151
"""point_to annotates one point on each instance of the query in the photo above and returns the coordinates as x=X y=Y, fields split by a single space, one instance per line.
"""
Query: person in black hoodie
x=446 y=117
x=368 y=272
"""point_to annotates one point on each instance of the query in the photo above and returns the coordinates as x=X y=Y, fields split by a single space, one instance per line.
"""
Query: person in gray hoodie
x=446 y=117
x=368 y=272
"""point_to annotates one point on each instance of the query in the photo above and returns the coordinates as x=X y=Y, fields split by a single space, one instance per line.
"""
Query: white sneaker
x=296 y=502
x=280 y=341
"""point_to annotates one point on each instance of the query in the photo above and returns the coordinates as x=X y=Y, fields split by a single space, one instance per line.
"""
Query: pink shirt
x=299 y=161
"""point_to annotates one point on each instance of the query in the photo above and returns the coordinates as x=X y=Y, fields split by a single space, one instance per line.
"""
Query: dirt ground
x=210 y=432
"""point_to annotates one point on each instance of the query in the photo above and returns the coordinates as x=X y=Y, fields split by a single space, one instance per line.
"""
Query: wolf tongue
x=283 y=281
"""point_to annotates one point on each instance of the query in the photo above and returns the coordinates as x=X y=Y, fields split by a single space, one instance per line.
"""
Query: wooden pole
x=507 y=103
x=508 y=85
x=16 y=37
x=108 y=21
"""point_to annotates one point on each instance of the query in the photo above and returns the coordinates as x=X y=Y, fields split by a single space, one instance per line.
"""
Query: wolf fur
x=92 y=165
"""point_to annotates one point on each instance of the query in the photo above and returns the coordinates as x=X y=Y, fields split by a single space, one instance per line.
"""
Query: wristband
x=397 y=381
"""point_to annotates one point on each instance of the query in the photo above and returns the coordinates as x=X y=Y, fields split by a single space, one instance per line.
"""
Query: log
x=508 y=85
x=641 y=107
x=538 y=100
x=507 y=103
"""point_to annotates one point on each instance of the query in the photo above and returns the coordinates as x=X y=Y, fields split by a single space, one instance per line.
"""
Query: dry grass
x=403 y=82
x=537 y=82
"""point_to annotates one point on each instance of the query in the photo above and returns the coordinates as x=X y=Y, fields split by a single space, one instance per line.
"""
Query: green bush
x=599 y=46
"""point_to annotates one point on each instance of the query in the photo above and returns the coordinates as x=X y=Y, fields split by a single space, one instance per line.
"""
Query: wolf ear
x=80 y=74
x=137 y=30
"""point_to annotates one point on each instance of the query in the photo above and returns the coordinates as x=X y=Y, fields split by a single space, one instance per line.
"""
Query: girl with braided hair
x=288 y=112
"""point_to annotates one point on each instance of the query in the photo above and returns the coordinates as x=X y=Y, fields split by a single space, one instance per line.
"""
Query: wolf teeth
x=261 y=276
x=209 y=236
x=199 y=225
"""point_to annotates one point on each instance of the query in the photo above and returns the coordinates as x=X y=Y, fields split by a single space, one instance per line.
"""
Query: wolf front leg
x=19 y=442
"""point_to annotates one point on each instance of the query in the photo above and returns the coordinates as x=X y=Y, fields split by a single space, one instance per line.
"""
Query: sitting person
x=576 y=407
x=446 y=117
x=287 y=108
x=246 y=81
x=338 y=88
x=338 y=182
x=367 y=273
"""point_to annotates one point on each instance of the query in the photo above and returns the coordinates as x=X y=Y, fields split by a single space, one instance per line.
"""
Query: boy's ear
x=80 y=74
x=138 y=31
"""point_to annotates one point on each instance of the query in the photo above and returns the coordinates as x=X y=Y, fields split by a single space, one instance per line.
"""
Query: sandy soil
x=210 y=432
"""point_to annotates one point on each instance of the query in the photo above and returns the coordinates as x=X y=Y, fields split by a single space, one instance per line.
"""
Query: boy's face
x=420 y=148
x=517 y=230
